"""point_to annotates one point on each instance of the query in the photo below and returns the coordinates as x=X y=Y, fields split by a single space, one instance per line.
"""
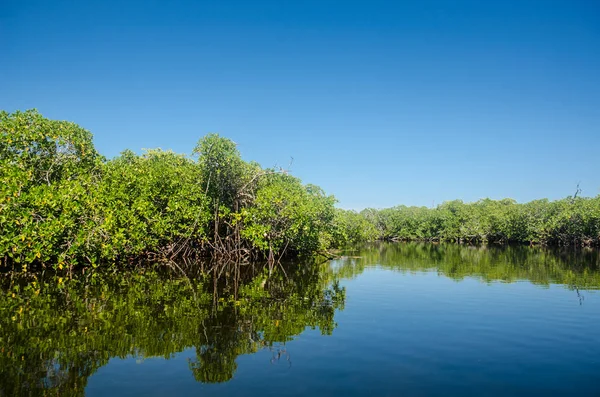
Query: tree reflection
x=538 y=265
x=56 y=333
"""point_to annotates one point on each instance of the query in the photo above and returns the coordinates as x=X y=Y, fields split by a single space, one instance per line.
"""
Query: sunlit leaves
x=63 y=205
x=571 y=221
x=287 y=215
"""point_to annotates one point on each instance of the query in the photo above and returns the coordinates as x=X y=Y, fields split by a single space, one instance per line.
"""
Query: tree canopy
x=64 y=205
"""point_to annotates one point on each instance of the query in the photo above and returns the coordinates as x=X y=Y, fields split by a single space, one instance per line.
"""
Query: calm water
x=387 y=320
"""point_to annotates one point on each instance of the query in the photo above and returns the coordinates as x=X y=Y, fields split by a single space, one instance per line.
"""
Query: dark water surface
x=386 y=320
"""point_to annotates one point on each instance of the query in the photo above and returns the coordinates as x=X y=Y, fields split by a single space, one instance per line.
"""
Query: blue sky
x=378 y=102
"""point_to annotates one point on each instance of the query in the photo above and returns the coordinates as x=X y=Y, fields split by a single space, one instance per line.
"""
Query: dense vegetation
x=573 y=221
x=63 y=204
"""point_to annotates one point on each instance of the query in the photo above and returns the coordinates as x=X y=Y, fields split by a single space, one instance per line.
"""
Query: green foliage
x=351 y=227
x=48 y=171
x=148 y=202
x=224 y=170
x=62 y=204
x=571 y=221
x=288 y=216
x=44 y=151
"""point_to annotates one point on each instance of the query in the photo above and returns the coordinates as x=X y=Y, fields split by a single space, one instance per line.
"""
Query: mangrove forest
x=65 y=206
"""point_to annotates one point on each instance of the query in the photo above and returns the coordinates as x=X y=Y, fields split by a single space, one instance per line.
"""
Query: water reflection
x=56 y=333
x=576 y=269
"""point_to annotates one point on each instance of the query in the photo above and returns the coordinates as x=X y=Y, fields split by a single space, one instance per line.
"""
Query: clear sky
x=378 y=102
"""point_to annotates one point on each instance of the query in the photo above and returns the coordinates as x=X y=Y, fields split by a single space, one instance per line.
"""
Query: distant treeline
x=573 y=221
x=63 y=204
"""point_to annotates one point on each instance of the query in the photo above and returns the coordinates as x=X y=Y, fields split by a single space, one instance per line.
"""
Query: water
x=387 y=320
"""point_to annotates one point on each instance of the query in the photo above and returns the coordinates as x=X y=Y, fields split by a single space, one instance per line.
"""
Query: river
x=382 y=320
